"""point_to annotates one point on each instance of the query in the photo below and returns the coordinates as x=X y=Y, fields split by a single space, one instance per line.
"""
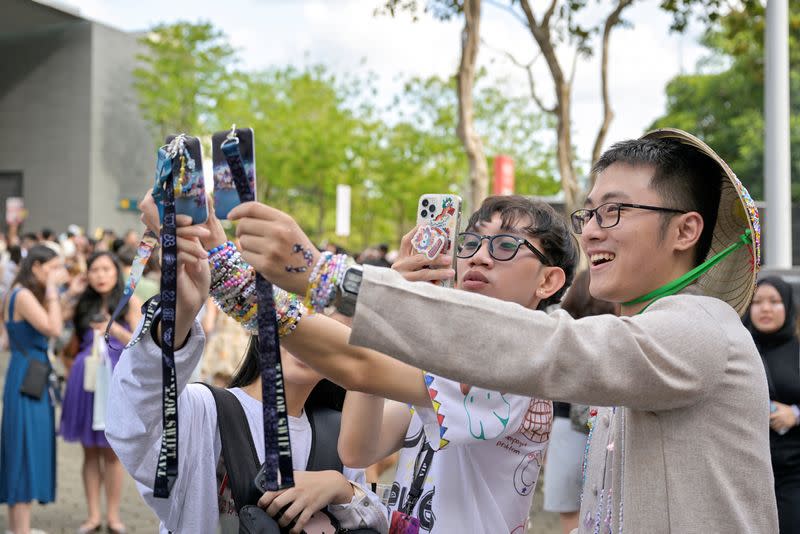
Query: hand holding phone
x=438 y=219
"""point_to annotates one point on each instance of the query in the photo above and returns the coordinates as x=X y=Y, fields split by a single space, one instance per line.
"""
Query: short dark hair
x=546 y=225
x=47 y=234
x=682 y=177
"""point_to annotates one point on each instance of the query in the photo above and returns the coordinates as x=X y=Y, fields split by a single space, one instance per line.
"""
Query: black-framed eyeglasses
x=502 y=247
x=607 y=215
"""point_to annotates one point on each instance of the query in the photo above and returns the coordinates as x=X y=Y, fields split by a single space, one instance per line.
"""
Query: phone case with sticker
x=191 y=198
x=438 y=219
x=225 y=195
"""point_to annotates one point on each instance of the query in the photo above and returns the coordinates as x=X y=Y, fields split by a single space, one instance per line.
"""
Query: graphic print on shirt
x=399 y=494
x=527 y=472
x=538 y=421
x=487 y=412
x=433 y=392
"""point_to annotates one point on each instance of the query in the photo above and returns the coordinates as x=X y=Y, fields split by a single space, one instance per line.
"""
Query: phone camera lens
x=424 y=201
x=432 y=208
x=424 y=213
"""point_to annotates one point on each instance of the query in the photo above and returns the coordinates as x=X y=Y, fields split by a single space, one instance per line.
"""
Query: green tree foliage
x=724 y=102
x=183 y=70
x=314 y=130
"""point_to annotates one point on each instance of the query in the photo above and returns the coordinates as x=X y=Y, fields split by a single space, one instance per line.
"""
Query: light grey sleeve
x=668 y=357
x=134 y=427
x=365 y=511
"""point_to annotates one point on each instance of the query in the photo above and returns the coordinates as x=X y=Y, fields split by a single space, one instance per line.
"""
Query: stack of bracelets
x=233 y=288
x=233 y=285
x=324 y=280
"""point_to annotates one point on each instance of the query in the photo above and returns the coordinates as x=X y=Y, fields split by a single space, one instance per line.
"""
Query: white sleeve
x=134 y=427
x=365 y=510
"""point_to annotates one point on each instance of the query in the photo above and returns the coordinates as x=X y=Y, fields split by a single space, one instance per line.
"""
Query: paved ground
x=69 y=510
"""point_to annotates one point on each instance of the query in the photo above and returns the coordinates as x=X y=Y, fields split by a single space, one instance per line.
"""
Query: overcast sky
x=342 y=33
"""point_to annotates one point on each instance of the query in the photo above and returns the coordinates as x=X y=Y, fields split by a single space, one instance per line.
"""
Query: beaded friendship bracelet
x=324 y=280
x=233 y=291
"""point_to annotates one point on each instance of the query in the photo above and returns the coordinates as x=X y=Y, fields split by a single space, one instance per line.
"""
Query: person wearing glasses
x=674 y=238
x=475 y=452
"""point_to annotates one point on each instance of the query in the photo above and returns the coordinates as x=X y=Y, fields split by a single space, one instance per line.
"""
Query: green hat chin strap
x=680 y=283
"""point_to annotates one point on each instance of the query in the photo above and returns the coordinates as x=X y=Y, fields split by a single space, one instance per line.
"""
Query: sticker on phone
x=430 y=241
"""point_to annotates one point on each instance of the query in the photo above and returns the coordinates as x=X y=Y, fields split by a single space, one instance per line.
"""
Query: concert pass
x=403 y=524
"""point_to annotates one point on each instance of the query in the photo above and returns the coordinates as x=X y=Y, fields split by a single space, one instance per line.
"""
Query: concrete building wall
x=45 y=126
x=122 y=154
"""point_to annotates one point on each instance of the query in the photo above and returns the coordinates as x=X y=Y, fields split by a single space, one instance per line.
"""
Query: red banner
x=503 y=175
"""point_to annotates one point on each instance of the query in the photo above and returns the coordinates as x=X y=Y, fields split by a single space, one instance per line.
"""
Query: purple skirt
x=77 y=410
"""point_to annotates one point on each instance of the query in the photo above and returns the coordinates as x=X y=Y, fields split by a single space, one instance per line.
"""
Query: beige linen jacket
x=687 y=448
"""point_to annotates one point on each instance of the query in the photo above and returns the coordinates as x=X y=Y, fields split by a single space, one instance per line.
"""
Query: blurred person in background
x=772 y=319
x=32 y=313
x=28 y=241
x=131 y=238
x=563 y=476
x=100 y=464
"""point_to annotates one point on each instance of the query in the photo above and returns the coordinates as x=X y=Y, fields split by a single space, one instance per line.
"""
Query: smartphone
x=190 y=196
x=225 y=195
x=438 y=219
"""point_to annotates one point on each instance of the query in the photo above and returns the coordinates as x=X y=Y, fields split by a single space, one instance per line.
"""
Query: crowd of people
x=658 y=388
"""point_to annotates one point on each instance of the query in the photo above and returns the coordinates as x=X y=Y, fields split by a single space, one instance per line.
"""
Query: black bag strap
x=324 y=455
x=238 y=449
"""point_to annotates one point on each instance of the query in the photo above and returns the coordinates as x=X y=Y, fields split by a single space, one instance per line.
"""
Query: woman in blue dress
x=100 y=465
x=32 y=313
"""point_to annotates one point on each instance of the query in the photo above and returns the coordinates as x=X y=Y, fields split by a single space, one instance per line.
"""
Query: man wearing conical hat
x=673 y=237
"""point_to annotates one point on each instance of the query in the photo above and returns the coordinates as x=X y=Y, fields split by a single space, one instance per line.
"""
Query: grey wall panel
x=45 y=121
x=122 y=152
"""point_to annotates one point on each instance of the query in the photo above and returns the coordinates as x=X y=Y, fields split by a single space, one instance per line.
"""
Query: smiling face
x=637 y=255
x=103 y=275
x=516 y=280
x=767 y=311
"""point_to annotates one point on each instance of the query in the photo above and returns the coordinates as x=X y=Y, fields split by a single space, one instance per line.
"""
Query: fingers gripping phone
x=438 y=219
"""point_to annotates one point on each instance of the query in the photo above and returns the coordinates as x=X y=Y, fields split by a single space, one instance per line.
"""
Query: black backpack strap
x=324 y=454
x=238 y=448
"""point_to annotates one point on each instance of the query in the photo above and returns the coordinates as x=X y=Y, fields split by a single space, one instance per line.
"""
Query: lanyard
x=277 y=445
x=678 y=284
x=148 y=243
x=421 y=467
x=167 y=467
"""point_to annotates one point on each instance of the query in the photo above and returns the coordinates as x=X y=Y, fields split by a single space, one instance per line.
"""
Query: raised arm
x=359 y=444
x=47 y=318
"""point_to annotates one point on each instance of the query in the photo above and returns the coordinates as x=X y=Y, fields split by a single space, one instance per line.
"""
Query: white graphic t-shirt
x=489 y=449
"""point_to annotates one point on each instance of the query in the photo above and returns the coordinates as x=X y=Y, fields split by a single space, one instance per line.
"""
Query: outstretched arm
x=670 y=356
x=322 y=343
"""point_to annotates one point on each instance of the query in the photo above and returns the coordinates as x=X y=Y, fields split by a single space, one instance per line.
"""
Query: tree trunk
x=465 y=81
x=563 y=108
x=566 y=168
x=608 y=114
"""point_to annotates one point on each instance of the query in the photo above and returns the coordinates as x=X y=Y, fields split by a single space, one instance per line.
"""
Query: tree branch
x=508 y=9
x=574 y=67
x=612 y=20
x=528 y=68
